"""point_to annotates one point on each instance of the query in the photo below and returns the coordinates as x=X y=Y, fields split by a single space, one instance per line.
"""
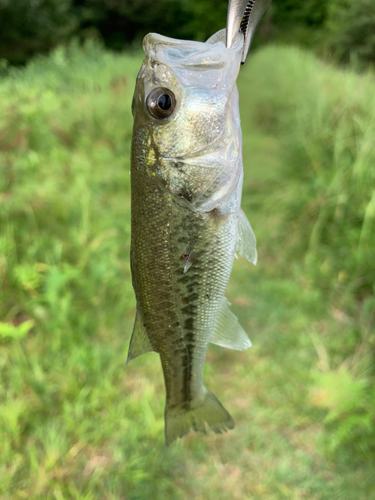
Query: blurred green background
x=75 y=423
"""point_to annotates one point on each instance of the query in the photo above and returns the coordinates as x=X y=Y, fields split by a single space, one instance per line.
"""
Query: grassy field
x=75 y=423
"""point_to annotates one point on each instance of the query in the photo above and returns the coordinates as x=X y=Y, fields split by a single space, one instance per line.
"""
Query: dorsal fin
x=246 y=241
x=227 y=331
x=140 y=342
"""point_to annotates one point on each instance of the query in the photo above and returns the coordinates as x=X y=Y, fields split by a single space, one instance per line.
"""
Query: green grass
x=75 y=423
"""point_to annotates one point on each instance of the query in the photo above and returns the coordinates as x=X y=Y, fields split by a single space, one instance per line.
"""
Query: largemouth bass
x=187 y=224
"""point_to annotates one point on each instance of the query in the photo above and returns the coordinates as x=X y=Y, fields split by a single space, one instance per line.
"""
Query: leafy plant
x=350 y=29
x=32 y=27
x=350 y=418
x=8 y=330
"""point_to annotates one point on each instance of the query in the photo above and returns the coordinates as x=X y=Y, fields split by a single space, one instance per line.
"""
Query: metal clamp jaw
x=244 y=15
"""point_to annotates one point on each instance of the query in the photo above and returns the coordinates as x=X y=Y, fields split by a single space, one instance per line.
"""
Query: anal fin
x=228 y=332
x=140 y=342
x=246 y=241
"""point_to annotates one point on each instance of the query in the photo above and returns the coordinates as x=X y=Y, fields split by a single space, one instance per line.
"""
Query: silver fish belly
x=187 y=224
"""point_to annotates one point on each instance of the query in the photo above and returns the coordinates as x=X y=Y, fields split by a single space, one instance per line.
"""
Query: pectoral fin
x=140 y=342
x=227 y=331
x=246 y=241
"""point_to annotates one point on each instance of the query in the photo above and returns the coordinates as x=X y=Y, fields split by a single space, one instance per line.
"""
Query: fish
x=187 y=225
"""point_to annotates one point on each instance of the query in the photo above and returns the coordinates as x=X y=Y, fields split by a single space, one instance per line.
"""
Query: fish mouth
x=189 y=53
x=194 y=56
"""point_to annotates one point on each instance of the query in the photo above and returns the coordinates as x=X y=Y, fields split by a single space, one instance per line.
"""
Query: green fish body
x=187 y=224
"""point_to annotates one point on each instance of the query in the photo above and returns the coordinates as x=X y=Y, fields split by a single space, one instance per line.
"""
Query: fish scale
x=186 y=182
x=198 y=292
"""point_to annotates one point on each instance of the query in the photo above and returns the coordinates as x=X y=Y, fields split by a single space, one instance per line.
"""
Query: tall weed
x=325 y=119
x=74 y=423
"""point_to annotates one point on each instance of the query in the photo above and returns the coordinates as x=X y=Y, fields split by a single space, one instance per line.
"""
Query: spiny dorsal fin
x=227 y=331
x=246 y=241
x=139 y=343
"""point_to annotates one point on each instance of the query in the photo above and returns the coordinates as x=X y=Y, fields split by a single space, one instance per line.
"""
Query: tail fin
x=207 y=409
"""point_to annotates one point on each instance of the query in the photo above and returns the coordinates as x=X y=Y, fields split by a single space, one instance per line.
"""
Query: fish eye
x=161 y=103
